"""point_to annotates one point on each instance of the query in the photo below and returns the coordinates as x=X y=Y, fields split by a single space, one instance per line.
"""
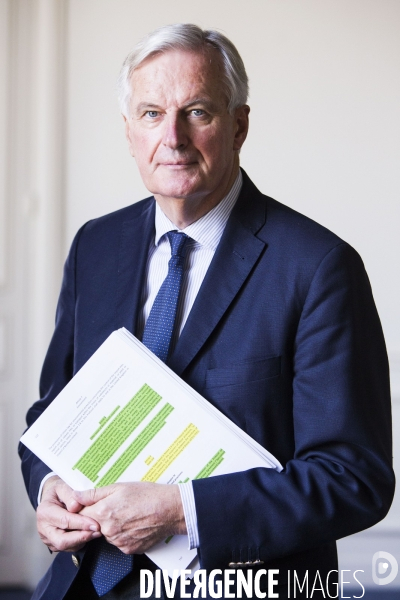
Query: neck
x=185 y=211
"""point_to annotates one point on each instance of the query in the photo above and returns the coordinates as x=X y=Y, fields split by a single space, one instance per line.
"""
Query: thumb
x=90 y=497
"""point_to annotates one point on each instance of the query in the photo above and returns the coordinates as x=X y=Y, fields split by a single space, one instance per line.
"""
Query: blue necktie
x=110 y=565
x=157 y=334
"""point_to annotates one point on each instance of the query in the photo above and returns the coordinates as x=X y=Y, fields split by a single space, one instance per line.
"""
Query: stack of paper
x=126 y=416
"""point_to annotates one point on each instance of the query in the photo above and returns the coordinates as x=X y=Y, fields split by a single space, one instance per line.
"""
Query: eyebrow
x=203 y=101
x=146 y=106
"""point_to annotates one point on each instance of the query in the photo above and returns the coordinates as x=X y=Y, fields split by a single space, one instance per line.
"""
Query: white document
x=126 y=416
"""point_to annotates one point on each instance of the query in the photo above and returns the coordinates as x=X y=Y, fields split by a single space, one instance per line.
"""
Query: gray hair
x=185 y=36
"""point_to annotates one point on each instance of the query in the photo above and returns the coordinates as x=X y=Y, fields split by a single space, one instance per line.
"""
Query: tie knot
x=177 y=241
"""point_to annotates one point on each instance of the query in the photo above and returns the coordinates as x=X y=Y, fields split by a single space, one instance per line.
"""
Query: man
x=275 y=326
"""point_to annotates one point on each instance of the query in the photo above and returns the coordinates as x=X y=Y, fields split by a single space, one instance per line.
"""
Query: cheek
x=217 y=151
x=144 y=146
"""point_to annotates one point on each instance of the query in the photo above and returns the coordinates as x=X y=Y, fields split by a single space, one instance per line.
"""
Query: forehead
x=177 y=76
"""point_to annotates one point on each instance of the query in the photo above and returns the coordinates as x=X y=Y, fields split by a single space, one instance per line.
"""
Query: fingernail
x=93 y=528
x=96 y=534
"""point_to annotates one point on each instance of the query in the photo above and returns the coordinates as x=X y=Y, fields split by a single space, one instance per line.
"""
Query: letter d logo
x=380 y=565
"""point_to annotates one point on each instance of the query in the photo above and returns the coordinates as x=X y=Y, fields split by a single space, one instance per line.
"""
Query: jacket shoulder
x=102 y=234
x=302 y=228
x=116 y=218
x=282 y=226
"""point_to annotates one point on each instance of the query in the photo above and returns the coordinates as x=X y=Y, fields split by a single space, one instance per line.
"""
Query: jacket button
x=75 y=560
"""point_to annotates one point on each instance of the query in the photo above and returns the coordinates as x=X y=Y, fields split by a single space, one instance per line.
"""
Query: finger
x=90 y=511
x=60 y=518
x=65 y=495
x=67 y=541
x=60 y=493
x=72 y=505
x=90 y=497
x=53 y=490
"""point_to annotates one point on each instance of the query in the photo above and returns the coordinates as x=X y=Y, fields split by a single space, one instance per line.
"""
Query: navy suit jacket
x=285 y=340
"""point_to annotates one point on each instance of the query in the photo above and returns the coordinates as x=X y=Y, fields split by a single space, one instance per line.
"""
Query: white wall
x=324 y=138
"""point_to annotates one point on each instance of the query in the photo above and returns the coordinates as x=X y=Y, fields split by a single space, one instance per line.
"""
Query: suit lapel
x=235 y=257
x=136 y=237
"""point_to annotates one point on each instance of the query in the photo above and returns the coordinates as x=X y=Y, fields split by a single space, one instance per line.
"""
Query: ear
x=241 y=120
x=128 y=134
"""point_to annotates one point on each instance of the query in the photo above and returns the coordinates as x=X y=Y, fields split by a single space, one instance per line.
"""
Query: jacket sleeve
x=340 y=478
x=57 y=371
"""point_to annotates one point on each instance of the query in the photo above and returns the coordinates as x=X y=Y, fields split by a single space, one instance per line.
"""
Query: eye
x=197 y=112
x=152 y=114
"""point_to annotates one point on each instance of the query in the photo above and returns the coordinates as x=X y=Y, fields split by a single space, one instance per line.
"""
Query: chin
x=177 y=194
x=176 y=189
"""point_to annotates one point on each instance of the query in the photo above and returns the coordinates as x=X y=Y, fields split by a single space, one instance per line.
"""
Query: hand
x=59 y=525
x=135 y=516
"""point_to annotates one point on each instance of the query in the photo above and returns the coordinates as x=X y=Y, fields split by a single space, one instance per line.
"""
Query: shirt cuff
x=51 y=474
x=189 y=511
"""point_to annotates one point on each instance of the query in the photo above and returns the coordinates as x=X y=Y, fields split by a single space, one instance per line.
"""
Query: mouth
x=181 y=164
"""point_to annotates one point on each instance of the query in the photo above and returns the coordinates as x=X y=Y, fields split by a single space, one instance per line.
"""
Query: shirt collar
x=207 y=230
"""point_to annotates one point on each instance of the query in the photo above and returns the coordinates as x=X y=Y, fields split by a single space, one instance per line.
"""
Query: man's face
x=179 y=130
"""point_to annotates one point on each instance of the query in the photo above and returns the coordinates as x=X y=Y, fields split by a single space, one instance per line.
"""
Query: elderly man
x=273 y=322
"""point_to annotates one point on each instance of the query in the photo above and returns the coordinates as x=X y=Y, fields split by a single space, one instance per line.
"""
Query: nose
x=175 y=132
